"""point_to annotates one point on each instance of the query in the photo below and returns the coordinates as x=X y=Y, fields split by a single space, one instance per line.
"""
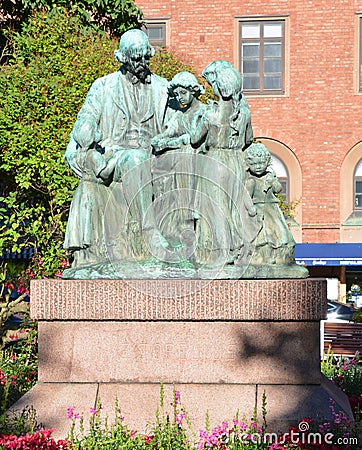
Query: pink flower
x=179 y=418
x=93 y=411
x=2 y=378
x=59 y=274
x=177 y=397
x=133 y=434
x=30 y=273
x=70 y=412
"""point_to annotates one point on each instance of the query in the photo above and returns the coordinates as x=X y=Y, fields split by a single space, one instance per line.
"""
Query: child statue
x=274 y=243
x=174 y=166
x=227 y=226
x=85 y=229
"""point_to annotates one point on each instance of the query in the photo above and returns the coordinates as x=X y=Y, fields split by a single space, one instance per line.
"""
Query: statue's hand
x=156 y=144
x=271 y=177
x=185 y=139
x=154 y=141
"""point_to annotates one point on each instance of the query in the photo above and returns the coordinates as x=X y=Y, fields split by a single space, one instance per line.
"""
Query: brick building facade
x=301 y=63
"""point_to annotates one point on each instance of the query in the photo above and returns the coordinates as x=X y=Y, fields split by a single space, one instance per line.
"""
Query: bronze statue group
x=168 y=180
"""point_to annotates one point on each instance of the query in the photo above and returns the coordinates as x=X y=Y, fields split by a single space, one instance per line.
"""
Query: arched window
x=281 y=172
x=351 y=195
x=357 y=183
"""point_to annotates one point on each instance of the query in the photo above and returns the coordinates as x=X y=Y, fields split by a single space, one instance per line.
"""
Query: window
x=282 y=174
x=358 y=186
x=156 y=31
x=351 y=195
x=262 y=56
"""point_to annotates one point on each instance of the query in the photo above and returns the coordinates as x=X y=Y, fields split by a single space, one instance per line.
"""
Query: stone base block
x=180 y=352
x=286 y=404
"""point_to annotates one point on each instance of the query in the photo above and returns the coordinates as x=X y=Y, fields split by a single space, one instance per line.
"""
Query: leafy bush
x=14 y=423
x=357 y=317
x=54 y=63
x=111 y=16
x=18 y=354
x=346 y=373
x=18 y=369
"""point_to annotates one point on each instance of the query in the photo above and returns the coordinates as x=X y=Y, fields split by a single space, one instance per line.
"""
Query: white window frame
x=284 y=91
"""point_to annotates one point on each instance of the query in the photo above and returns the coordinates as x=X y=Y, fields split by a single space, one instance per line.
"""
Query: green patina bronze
x=170 y=187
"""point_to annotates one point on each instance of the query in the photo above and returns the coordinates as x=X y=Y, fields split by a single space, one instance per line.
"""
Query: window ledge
x=355 y=219
x=264 y=95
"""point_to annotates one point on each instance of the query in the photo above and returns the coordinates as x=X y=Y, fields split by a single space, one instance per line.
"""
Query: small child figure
x=184 y=91
x=173 y=167
x=85 y=225
x=274 y=243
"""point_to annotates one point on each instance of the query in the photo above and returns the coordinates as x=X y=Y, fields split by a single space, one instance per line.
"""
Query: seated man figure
x=129 y=107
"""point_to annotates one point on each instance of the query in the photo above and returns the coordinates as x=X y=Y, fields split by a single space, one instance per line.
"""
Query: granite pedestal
x=222 y=343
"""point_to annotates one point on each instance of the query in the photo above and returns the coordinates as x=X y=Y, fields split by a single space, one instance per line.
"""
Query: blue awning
x=338 y=254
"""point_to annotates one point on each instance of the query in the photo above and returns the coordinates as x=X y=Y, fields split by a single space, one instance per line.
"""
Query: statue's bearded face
x=139 y=66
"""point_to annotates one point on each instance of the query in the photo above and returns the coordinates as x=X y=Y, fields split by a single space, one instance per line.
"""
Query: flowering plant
x=172 y=431
x=346 y=373
x=18 y=369
x=41 y=440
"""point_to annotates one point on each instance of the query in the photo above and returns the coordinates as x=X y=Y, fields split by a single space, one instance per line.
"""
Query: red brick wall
x=320 y=118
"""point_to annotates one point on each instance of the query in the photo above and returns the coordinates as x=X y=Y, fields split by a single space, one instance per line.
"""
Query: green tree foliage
x=55 y=61
x=111 y=16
